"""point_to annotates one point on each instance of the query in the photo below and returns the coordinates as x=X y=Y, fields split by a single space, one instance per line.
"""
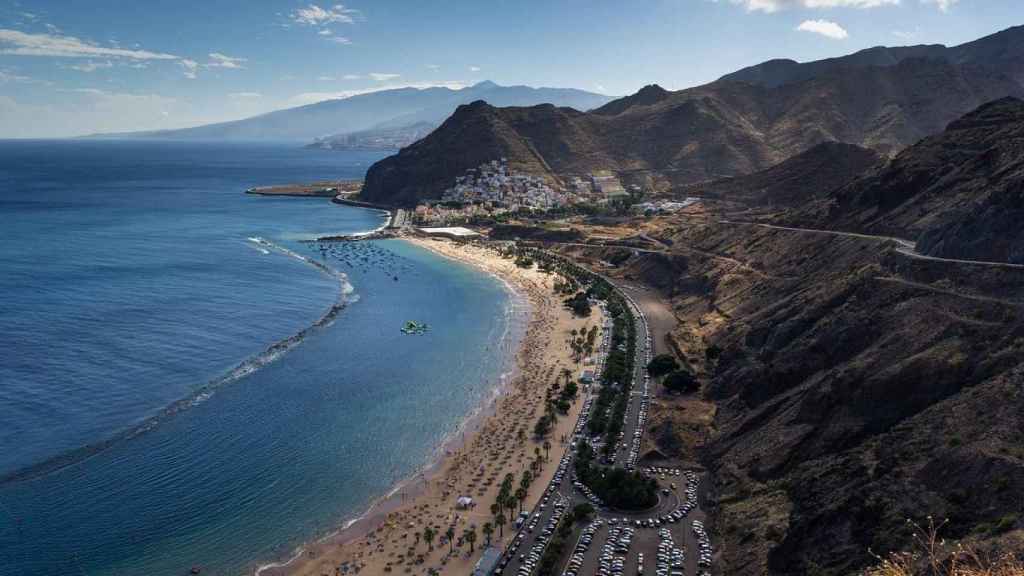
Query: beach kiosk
x=463 y=502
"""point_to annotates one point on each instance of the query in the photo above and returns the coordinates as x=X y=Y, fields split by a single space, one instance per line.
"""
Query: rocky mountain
x=806 y=177
x=857 y=389
x=398 y=110
x=959 y=193
x=725 y=128
x=1003 y=52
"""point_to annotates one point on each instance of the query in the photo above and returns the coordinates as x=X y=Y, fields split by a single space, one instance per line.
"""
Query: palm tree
x=547 y=450
x=450 y=535
x=470 y=536
x=428 y=535
x=418 y=536
x=501 y=524
x=536 y=451
x=520 y=496
x=488 y=532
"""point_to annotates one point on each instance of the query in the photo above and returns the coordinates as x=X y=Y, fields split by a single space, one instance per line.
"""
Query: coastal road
x=646 y=540
x=905 y=247
x=639 y=393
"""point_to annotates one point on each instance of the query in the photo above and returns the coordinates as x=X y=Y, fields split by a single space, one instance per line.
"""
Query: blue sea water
x=148 y=422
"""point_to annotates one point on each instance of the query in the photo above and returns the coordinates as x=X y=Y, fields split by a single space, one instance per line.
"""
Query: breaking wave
x=346 y=296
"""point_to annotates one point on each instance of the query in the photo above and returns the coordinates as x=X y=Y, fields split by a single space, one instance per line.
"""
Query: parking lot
x=668 y=540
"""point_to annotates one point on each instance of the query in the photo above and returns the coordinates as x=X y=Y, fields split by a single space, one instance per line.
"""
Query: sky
x=72 y=67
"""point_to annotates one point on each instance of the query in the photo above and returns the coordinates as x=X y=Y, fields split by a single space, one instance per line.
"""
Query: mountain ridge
x=780 y=71
x=379 y=110
x=664 y=139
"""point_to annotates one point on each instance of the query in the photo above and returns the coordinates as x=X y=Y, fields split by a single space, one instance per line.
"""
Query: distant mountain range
x=386 y=114
x=882 y=99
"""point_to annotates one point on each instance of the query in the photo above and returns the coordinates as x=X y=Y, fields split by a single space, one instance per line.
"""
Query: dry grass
x=933 y=556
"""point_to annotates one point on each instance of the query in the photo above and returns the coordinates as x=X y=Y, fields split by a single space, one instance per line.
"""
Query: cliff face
x=959 y=193
x=726 y=128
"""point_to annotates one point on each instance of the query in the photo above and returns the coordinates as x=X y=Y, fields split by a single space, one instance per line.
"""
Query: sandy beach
x=498 y=442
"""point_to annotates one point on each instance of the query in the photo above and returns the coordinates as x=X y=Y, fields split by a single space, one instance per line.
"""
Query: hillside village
x=493 y=189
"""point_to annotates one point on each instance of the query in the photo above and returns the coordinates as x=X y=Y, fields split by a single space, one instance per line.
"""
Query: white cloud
x=91 y=66
x=325 y=78
x=326 y=32
x=382 y=77
x=314 y=97
x=825 y=28
x=19 y=43
x=218 y=60
x=190 y=66
x=314 y=15
x=771 y=6
x=351 y=77
x=600 y=89
x=245 y=95
x=943 y=5
x=340 y=40
x=474 y=68
x=433 y=66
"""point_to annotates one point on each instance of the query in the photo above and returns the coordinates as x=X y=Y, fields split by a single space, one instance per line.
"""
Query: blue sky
x=69 y=68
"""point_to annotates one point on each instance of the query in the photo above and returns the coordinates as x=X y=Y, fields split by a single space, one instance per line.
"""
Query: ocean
x=187 y=380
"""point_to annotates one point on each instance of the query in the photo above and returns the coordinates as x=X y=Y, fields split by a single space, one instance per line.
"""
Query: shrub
x=681 y=381
x=662 y=364
x=1005 y=524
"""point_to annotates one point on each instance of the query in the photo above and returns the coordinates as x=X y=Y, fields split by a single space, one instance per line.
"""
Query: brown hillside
x=960 y=193
x=722 y=129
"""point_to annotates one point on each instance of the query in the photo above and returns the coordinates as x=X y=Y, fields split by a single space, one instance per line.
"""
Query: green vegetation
x=615 y=486
x=1005 y=524
x=613 y=399
x=583 y=511
x=579 y=304
x=548 y=564
x=524 y=262
x=662 y=364
x=681 y=381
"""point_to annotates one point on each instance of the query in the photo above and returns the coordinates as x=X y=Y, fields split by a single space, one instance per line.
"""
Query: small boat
x=413 y=327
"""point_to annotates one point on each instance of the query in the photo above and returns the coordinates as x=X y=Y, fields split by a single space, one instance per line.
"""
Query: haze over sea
x=144 y=426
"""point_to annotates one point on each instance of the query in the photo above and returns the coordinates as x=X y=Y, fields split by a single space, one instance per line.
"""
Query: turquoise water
x=149 y=422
